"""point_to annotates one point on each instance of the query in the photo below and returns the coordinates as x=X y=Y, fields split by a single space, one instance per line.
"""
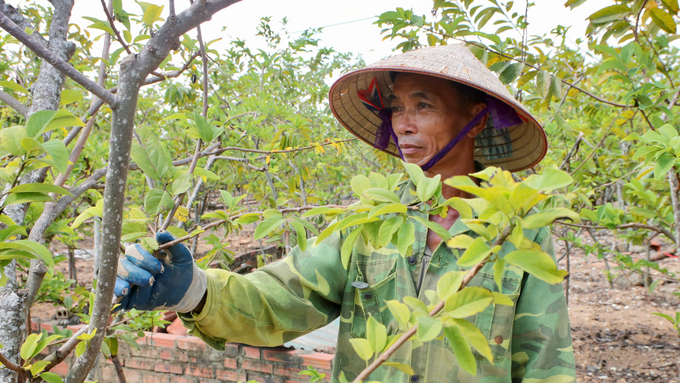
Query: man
x=439 y=99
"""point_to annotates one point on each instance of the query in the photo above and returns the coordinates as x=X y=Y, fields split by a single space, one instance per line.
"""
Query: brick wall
x=167 y=358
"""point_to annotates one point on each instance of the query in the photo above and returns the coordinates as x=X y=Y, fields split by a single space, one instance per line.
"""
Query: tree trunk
x=675 y=201
x=46 y=96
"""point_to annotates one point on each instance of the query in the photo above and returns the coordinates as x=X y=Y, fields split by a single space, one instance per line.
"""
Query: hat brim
x=516 y=148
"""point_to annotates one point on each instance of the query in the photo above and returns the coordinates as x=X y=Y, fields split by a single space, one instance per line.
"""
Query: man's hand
x=174 y=283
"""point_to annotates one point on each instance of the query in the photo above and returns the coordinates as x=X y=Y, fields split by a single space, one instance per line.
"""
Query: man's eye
x=423 y=105
x=395 y=109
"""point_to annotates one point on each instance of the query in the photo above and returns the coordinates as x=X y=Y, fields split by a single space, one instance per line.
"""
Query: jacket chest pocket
x=496 y=321
x=375 y=284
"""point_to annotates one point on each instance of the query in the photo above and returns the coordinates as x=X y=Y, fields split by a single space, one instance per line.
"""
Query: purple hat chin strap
x=502 y=115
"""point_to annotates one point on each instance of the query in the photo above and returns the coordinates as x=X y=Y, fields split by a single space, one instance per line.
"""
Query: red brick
x=191 y=343
x=173 y=355
x=172 y=368
x=262 y=379
x=60 y=369
x=198 y=371
x=47 y=327
x=318 y=360
x=230 y=376
x=257 y=366
x=162 y=340
x=286 y=371
x=76 y=327
x=230 y=363
x=281 y=355
x=251 y=352
x=176 y=379
x=139 y=363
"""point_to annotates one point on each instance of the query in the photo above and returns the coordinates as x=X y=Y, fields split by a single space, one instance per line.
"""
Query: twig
x=13 y=103
x=637 y=21
x=574 y=150
x=222 y=221
x=62 y=353
x=408 y=334
x=9 y=364
x=661 y=230
x=115 y=30
x=604 y=137
x=55 y=61
x=119 y=369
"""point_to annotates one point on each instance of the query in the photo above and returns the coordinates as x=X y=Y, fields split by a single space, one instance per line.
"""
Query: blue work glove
x=173 y=283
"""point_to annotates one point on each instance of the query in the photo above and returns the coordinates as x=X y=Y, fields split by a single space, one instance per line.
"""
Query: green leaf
x=381 y=195
x=399 y=311
x=435 y=227
x=547 y=217
x=362 y=347
x=460 y=241
x=14 y=86
x=610 y=13
x=38 y=366
x=428 y=328
x=44 y=343
x=416 y=304
x=388 y=228
x=31 y=247
x=511 y=72
x=37 y=121
x=29 y=346
x=414 y=171
x=461 y=349
x=427 y=187
x=267 y=226
x=663 y=20
x=405 y=368
x=498 y=269
x=205 y=131
x=359 y=184
x=468 y=302
x=41 y=188
x=501 y=299
x=112 y=343
x=348 y=246
x=550 y=180
x=152 y=13
x=51 y=377
x=61 y=119
x=157 y=201
x=405 y=238
x=181 y=184
x=206 y=174
x=376 y=334
x=475 y=338
x=17 y=198
x=537 y=263
x=141 y=158
x=69 y=96
x=387 y=209
x=11 y=139
x=475 y=253
x=663 y=164
x=95 y=211
x=322 y=210
x=57 y=150
x=301 y=234
x=80 y=348
x=460 y=206
x=449 y=284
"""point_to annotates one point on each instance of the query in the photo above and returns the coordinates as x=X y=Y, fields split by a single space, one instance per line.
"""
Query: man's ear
x=482 y=121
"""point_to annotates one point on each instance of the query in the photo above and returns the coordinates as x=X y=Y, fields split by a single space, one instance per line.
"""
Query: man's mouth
x=409 y=148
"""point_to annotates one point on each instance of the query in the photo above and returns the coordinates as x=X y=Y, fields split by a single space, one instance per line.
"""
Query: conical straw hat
x=515 y=148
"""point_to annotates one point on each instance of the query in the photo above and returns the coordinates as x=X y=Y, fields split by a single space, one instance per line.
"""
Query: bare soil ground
x=616 y=337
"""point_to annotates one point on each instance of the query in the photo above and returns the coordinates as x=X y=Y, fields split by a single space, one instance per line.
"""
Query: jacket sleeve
x=276 y=303
x=541 y=345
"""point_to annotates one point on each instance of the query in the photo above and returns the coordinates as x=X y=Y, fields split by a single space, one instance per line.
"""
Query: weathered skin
x=531 y=341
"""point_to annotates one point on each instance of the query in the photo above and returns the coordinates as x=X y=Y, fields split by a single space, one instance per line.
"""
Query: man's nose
x=404 y=123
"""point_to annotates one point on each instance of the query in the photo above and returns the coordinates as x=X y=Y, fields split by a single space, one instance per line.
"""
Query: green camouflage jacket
x=530 y=341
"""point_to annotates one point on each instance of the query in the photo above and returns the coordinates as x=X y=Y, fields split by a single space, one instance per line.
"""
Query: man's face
x=427 y=113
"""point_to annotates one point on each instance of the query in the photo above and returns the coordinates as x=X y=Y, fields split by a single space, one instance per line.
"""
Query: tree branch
x=59 y=355
x=634 y=225
x=47 y=55
x=13 y=103
x=115 y=30
x=574 y=149
x=9 y=364
x=604 y=137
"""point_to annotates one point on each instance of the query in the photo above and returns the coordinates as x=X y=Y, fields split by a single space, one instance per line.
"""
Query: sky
x=348 y=24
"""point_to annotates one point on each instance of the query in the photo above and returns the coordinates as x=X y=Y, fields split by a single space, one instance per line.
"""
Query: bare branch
x=9 y=364
x=657 y=229
x=60 y=354
x=115 y=30
x=604 y=137
x=44 y=53
x=13 y=103
x=574 y=150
